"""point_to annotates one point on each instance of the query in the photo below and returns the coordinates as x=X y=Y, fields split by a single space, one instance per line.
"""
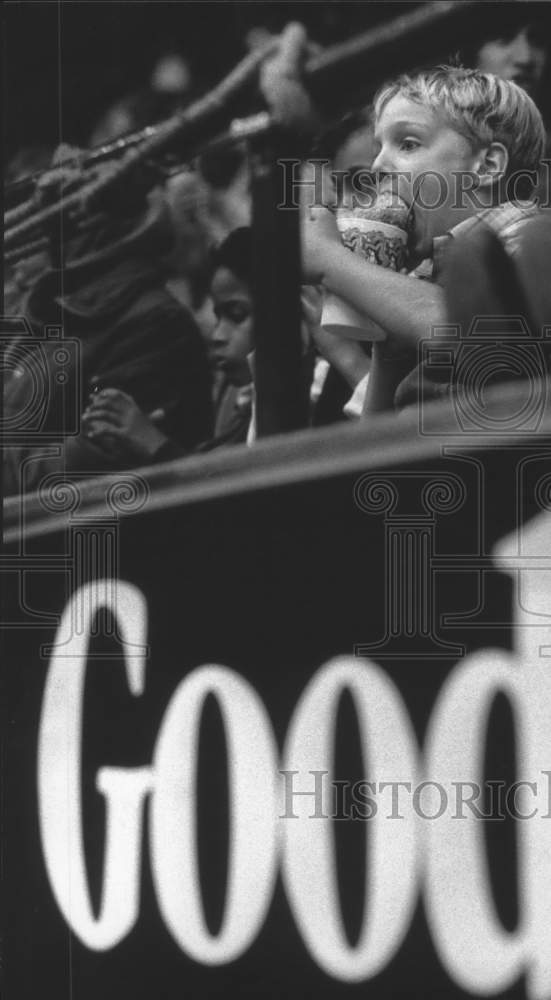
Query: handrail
x=313 y=454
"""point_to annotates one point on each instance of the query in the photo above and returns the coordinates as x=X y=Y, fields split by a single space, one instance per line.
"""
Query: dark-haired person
x=107 y=294
x=518 y=49
x=516 y=46
x=116 y=425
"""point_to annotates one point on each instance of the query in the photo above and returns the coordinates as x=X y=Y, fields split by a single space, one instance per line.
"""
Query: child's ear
x=492 y=163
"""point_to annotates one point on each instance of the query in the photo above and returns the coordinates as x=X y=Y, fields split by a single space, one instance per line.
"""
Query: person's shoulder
x=512 y=220
x=511 y=214
x=157 y=303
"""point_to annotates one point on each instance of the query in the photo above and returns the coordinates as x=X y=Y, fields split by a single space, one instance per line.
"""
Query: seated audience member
x=232 y=340
x=169 y=89
x=110 y=301
x=349 y=145
x=206 y=202
x=518 y=50
x=348 y=148
x=113 y=420
x=439 y=133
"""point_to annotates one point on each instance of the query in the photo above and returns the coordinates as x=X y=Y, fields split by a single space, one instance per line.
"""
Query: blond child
x=458 y=146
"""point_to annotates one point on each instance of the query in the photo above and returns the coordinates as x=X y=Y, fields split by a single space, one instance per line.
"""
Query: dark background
x=65 y=63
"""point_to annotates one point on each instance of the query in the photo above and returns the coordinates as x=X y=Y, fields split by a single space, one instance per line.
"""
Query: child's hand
x=312 y=306
x=346 y=356
x=320 y=237
x=115 y=423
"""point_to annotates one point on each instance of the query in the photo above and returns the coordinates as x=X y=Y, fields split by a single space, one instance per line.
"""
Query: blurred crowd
x=157 y=295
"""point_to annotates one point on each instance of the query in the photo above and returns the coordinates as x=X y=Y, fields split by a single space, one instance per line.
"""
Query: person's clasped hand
x=115 y=424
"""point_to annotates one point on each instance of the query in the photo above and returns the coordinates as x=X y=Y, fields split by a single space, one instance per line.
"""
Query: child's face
x=413 y=142
x=232 y=339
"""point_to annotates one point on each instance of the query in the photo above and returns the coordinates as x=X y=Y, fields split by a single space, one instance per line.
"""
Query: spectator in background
x=115 y=422
x=349 y=143
x=206 y=199
x=349 y=146
x=169 y=89
x=110 y=297
x=206 y=204
x=517 y=52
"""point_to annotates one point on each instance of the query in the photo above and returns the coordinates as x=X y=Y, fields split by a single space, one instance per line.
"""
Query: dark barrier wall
x=361 y=615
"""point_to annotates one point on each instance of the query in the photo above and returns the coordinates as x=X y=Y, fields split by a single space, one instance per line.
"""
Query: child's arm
x=385 y=376
x=405 y=308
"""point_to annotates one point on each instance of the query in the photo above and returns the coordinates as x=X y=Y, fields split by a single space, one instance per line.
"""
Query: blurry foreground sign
x=279 y=724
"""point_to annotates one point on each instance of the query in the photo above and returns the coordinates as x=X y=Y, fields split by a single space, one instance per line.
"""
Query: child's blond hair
x=480 y=106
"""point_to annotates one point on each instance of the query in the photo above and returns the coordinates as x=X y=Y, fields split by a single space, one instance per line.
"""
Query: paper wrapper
x=378 y=242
